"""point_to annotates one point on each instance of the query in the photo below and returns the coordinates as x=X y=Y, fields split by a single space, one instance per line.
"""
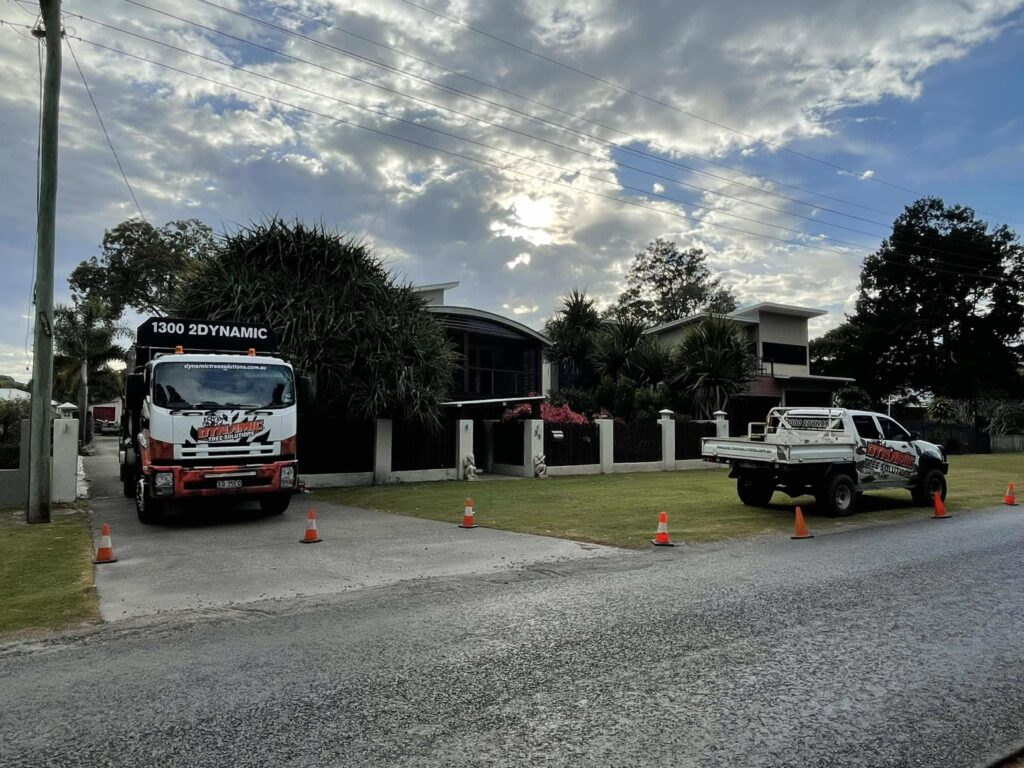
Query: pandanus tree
x=370 y=344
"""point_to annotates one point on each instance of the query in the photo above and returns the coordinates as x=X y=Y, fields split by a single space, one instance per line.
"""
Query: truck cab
x=208 y=423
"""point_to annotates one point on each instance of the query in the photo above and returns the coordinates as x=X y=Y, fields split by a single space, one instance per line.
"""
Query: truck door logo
x=880 y=458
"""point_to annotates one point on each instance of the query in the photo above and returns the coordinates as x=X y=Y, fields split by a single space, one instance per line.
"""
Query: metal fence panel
x=579 y=444
x=689 y=435
x=335 y=445
x=637 y=441
x=422 y=446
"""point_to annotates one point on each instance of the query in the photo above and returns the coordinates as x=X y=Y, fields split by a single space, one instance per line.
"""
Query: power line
x=474 y=118
x=665 y=104
x=960 y=255
x=619 y=131
x=99 y=117
x=484 y=145
x=490 y=102
x=508 y=169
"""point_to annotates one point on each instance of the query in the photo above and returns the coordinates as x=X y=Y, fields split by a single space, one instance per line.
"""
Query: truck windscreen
x=222 y=385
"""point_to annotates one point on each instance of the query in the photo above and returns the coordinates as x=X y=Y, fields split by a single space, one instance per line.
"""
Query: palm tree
x=714 y=361
x=84 y=334
x=573 y=332
x=617 y=344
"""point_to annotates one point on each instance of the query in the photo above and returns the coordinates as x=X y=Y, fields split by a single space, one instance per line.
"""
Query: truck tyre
x=276 y=504
x=933 y=481
x=127 y=482
x=149 y=510
x=754 y=491
x=840 y=496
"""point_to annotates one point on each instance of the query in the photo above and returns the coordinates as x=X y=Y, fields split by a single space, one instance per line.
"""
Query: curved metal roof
x=480 y=314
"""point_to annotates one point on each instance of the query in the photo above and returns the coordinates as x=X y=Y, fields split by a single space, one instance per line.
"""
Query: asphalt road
x=899 y=645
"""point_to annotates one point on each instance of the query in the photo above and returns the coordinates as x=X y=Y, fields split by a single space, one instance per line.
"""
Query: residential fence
x=63 y=466
x=1007 y=443
x=398 y=451
x=955 y=438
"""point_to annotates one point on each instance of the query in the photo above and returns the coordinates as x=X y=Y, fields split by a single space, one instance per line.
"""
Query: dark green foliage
x=573 y=331
x=370 y=344
x=11 y=414
x=665 y=283
x=941 y=308
x=142 y=266
x=715 y=360
x=853 y=397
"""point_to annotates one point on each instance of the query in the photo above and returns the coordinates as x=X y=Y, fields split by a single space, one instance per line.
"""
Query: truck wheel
x=149 y=510
x=127 y=482
x=840 y=496
x=754 y=491
x=276 y=504
x=932 y=482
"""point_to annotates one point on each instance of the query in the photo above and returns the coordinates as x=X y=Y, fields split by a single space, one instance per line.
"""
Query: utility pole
x=42 y=359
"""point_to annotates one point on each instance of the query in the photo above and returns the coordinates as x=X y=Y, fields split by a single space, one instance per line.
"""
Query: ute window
x=866 y=427
x=893 y=431
x=222 y=385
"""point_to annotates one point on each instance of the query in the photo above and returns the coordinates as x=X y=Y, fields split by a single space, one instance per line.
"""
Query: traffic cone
x=467 y=516
x=104 y=552
x=940 y=508
x=661 y=538
x=800 y=527
x=311 y=536
x=1010 y=499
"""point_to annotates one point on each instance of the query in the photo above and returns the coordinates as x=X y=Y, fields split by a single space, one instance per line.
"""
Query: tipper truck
x=210 y=410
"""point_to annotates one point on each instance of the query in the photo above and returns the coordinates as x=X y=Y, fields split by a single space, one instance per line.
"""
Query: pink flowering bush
x=553 y=414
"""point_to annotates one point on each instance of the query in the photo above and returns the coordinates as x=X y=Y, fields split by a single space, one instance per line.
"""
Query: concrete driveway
x=220 y=555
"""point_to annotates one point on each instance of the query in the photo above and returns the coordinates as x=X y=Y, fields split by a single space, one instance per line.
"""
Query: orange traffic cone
x=661 y=538
x=311 y=536
x=104 y=552
x=1010 y=499
x=800 y=527
x=940 y=508
x=467 y=516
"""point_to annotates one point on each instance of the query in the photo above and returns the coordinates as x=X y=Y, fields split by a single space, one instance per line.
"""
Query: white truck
x=210 y=411
x=834 y=454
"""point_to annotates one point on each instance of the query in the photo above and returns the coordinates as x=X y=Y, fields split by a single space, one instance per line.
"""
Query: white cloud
x=522 y=259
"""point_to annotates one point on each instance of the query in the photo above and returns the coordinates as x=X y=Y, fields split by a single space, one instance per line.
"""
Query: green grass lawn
x=701 y=504
x=46 y=572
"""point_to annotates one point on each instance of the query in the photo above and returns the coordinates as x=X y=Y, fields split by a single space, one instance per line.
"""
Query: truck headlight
x=163 y=483
x=287 y=477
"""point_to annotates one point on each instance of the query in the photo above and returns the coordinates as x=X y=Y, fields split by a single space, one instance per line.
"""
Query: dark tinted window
x=892 y=430
x=222 y=385
x=866 y=427
x=791 y=354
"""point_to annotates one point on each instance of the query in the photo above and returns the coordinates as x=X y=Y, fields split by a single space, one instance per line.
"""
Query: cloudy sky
x=783 y=138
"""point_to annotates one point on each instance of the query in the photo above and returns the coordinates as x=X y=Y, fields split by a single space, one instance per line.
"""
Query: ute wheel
x=276 y=504
x=932 y=482
x=840 y=496
x=149 y=510
x=754 y=491
x=127 y=482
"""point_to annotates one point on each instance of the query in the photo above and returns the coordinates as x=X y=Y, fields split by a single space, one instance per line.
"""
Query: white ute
x=834 y=454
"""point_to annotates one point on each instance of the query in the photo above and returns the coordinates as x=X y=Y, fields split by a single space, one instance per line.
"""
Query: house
x=501 y=361
x=109 y=412
x=778 y=333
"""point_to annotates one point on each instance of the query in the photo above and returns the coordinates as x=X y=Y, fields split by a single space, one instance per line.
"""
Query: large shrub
x=11 y=414
x=370 y=344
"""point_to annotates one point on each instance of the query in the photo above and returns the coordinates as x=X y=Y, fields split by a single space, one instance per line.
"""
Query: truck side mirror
x=135 y=390
x=307 y=393
x=914 y=436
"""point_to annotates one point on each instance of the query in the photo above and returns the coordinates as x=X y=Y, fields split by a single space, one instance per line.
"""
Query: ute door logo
x=881 y=458
x=225 y=429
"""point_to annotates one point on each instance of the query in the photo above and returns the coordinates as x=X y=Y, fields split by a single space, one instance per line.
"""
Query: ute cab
x=204 y=424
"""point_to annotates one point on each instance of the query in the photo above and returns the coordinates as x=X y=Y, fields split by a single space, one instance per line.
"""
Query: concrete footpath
x=217 y=555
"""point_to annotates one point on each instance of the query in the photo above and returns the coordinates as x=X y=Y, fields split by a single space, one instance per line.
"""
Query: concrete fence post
x=721 y=424
x=464 y=448
x=64 y=465
x=668 y=439
x=606 y=442
x=382 y=452
x=533 y=447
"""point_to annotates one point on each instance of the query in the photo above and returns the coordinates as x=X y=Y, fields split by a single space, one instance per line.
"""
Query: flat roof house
x=779 y=335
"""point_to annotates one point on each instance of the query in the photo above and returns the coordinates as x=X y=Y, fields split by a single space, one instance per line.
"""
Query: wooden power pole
x=42 y=360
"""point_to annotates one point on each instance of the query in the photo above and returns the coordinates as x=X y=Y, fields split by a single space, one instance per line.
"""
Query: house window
x=788 y=354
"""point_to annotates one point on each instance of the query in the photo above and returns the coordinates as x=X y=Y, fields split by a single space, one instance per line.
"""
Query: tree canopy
x=665 y=283
x=142 y=266
x=370 y=344
x=940 y=309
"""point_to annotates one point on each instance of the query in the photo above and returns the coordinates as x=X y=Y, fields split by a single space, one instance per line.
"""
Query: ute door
x=869 y=438
x=898 y=458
